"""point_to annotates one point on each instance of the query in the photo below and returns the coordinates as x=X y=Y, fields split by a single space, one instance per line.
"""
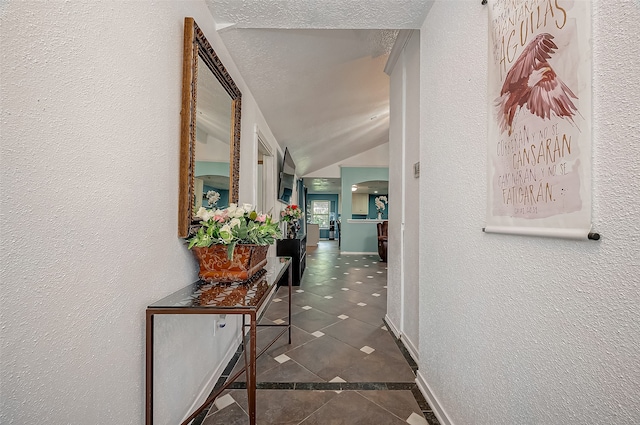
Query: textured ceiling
x=326 y=14
x=315 y=69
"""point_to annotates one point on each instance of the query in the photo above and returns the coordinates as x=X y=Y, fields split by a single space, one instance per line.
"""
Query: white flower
x=223 y=226
x=231 y=209
x=380 y=201
x=225 y=233
x=210 y=214
x=204 y=214
x=213 y=197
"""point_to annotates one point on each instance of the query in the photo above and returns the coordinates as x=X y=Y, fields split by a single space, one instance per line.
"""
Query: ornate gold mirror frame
x=196 y=45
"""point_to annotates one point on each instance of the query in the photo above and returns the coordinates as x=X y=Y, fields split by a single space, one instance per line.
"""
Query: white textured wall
x=90 y=113
x=412 y=217
x=396 y=151
x=524 y=330
x=404 y=140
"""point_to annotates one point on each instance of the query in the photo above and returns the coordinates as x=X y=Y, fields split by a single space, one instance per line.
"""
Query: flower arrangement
x=291 y=213
x=213 y=197
x=234 y=225
x=380 y=202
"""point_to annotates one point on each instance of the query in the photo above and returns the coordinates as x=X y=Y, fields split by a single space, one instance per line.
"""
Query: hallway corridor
x=343 y=366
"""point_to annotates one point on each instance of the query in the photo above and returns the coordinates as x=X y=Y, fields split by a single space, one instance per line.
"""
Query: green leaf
x=243 y=231
x=230 y=249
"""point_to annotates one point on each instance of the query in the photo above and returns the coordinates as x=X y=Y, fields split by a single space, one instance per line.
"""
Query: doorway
x=265 y=177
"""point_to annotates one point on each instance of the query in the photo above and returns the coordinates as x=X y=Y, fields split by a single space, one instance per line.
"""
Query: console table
x=248 y=298
x=297 y=250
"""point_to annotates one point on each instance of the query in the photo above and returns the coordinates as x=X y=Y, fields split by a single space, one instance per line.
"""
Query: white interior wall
x=404 y=221
x=525 y=330
x=252 y=117
x=252 y=120
x=90 y=115
x=411 y=207
x=396 y=194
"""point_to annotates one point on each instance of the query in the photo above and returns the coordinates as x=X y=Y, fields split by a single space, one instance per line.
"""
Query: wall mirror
x=210 y=129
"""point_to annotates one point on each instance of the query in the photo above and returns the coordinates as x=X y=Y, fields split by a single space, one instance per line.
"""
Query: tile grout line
x=338 y=386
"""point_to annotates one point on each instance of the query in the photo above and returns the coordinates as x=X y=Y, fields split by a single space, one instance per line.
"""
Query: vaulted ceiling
x=315 y=69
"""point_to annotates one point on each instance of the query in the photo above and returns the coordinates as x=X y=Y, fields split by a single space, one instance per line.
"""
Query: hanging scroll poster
x=539 y=135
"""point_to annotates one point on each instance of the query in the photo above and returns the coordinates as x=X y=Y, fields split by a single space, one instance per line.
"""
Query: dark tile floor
x=343 y=365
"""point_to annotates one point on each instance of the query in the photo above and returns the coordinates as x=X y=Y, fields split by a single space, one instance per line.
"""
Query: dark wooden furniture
x=249 y=299
x=382 y=240
x=297 y=250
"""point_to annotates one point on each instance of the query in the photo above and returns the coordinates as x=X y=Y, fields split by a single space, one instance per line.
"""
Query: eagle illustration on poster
x=532 y=83
x=539 y=117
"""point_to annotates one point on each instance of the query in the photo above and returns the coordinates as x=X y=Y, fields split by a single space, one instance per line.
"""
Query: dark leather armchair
x=382 y=240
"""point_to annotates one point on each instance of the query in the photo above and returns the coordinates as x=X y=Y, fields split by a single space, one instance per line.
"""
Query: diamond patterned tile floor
x=343 y=365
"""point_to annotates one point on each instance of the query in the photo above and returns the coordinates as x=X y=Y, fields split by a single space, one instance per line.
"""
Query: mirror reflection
x=213 y=138
x=209 y=131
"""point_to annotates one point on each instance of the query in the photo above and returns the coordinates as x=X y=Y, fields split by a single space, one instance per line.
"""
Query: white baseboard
x=392 y=327
x=411 y=348
x=211 y=382
x=437 y=409
x=358 y=253
x=408 y=344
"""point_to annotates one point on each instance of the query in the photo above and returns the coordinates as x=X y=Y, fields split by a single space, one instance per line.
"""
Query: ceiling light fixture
x=354 y=188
